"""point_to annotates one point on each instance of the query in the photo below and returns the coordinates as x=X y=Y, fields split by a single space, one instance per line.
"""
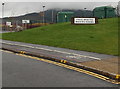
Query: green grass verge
x=99 y=38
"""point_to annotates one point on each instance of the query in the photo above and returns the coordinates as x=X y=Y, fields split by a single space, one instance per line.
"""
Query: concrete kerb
x=94 y=70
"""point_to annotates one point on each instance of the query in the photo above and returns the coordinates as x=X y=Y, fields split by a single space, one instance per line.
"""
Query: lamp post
x=84 y=12
x=3 y=9
x=2 y=13
x=43 y=15
x=52 y=16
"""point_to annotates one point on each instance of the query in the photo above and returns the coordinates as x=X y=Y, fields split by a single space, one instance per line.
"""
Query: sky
x=21 y=7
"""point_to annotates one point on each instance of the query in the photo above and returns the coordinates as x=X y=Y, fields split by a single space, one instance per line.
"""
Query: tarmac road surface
x=19 y=71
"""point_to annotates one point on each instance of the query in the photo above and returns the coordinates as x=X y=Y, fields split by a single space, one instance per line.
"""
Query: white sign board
x=8 y=23
x=25 y=21
x=84 y=20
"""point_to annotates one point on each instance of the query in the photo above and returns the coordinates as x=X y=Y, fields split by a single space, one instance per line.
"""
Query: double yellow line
x=69 y=67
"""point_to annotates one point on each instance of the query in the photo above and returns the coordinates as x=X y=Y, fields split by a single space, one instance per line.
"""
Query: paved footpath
x=53 y=52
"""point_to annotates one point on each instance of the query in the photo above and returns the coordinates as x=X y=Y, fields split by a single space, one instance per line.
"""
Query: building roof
x=65 y=12
x=102 y=7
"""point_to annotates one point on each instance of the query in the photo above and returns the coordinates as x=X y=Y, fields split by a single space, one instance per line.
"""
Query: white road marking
x=54 y=51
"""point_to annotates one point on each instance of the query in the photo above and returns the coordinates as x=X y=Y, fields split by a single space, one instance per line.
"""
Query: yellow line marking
x=70 y=67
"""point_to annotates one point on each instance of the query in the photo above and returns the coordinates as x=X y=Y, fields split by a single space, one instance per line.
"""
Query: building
x=64 y=16
x=104 y=12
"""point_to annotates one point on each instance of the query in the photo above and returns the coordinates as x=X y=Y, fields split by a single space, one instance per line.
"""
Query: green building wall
x=64 y=16
x=104 y=12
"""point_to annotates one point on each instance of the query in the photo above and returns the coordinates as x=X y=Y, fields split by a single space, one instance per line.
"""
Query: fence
x=20 y=27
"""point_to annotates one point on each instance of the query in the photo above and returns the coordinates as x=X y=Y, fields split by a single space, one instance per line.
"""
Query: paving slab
x=111 y=65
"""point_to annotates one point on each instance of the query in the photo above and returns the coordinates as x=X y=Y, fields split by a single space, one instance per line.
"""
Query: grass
x=99 y=38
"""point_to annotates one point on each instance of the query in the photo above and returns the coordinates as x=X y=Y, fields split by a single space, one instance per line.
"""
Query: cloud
x=20 y=8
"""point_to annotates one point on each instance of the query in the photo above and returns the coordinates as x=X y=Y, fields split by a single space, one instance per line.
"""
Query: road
x=19 y=71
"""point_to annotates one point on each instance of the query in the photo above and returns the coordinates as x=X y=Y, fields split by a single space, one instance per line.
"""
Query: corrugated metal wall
x=104 y=12
x=64 y=16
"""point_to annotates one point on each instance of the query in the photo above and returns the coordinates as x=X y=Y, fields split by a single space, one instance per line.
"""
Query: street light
x=52 y=16
x=2 y=13
x=3 y=9
x=84 y=12
x=43 y=15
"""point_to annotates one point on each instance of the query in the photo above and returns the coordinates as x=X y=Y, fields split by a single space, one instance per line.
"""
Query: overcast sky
x=18 y=7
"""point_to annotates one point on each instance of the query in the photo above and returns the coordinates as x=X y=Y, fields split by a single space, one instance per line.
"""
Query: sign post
x=25 y=22
x=9 y=26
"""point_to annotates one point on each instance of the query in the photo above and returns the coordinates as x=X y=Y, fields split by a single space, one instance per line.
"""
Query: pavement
x=110 y=65
x=73 y=57
x=0 y=69
x=20 y=71
x=61 y=53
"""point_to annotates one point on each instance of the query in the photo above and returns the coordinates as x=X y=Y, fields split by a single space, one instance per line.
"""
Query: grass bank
x=99 y=38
